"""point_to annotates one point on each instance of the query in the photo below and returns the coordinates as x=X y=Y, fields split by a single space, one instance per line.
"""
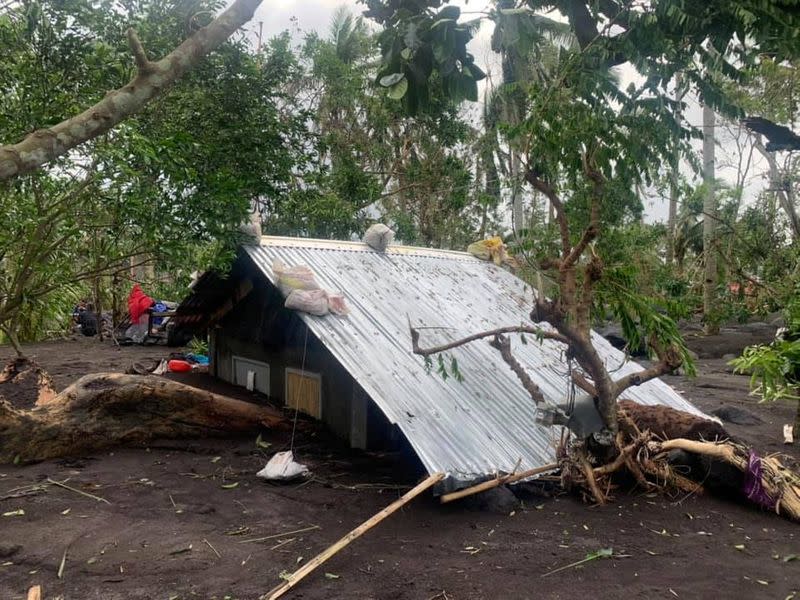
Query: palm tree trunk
x=709 y=222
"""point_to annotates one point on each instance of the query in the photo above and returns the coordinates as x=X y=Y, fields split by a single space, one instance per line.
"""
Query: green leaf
x=398 y=90
x=450 y=12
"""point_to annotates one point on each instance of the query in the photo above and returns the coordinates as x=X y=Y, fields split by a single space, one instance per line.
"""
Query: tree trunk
x=151 y=79
x=709 y=222
x=517 y=208
x=107 y=409
x=11 y=334
x=98 y=306
x=777 y=190
x=672 y=217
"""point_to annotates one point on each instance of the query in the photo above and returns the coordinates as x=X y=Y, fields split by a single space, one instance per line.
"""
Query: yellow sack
x=289 y=279
x=492 y=249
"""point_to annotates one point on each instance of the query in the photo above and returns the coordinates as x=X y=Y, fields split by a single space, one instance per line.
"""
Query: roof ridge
x=358 y=246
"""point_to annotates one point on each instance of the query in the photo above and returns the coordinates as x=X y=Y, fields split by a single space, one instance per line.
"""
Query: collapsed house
x=357 y=373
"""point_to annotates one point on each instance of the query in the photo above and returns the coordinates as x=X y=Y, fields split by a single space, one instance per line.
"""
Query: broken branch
x=662 y=367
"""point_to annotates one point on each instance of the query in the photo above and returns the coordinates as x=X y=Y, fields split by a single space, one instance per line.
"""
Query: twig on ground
x=214 y=550
x=77 y=491
x=279 y=535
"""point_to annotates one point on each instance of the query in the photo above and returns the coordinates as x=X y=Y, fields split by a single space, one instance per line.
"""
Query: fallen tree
x=108 y=409
x=622 y=436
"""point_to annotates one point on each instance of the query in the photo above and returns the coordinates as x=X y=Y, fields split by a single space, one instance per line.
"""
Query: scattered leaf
x=14 y=513
x=92 y=560
x=63 y=564
x=739 y=547
x=332 y=576
x=66 y=511
x=790 y=557
x=261 y=443
x=601 y=553
x=216 y=459
x=229 y=486
x=762 y=582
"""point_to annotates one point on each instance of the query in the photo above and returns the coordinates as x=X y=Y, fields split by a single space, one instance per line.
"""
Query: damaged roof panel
x=468 y=429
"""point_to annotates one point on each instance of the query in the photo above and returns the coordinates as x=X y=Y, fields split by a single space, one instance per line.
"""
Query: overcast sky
x=276 y=16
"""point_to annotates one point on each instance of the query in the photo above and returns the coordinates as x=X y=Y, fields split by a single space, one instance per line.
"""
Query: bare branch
x=504 y=346
x=657 y=370
x=545 y=188
x=669 y=360
x=537 y=331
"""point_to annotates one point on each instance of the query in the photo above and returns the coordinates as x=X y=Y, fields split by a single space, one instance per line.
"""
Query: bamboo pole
x=298 y=575
x=493 y=483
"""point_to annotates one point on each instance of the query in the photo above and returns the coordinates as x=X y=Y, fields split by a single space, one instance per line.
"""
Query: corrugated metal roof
x=467 y=429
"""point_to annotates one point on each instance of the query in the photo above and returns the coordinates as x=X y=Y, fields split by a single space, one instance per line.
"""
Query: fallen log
x=108 y=409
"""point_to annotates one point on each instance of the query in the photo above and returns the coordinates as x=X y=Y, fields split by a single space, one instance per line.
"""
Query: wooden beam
x=498 y=481
x=298 y=575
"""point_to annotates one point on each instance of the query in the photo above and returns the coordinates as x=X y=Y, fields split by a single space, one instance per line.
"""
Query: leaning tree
x=587 y=143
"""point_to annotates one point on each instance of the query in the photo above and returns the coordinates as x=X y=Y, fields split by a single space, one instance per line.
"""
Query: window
x=304 y=392
x=251 y=374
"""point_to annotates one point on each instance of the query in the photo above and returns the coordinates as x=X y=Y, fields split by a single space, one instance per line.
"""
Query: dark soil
x=171 y=530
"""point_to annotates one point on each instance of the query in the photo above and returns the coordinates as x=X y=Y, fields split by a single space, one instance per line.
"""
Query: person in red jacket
x=138 y=305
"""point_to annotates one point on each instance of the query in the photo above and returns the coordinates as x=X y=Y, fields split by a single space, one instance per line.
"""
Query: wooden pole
x=493 y=483
x=298 y=575
x=35 y=593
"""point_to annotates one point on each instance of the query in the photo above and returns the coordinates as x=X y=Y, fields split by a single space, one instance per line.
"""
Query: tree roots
x=686 y=464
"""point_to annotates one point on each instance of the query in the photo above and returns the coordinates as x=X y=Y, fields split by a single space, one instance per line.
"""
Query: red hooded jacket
x=138 y=303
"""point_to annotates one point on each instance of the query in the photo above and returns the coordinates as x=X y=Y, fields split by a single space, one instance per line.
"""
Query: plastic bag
x=492 y=249
x=378 y=237
x=336 y=304
x=299 y=277
x=282 y=467
x=314 y=302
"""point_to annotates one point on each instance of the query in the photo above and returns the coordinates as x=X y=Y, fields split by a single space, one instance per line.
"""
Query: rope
x=302 y=381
